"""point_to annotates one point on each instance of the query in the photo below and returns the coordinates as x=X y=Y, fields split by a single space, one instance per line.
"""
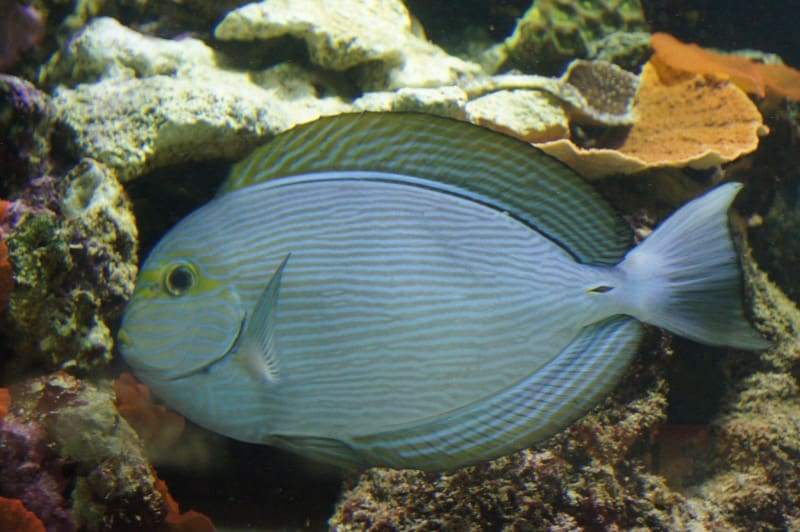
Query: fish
x=416 y=292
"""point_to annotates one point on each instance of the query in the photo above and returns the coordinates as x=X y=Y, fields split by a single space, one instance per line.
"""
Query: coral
x=113 y=487
x=599 y=93
x=444 y=101
x=553 y=32
x=15 y=517
x=680 y=120
x=21 y=26
x=627 y=49
x=73 y=272
x=176 y=521
x=24 y=132
x=533 y=116
x=593 y=92
x=755 y=78
x=6 y=273
x=5 y=402
x=31 y=472
x=375 y=35
x=162 y=102
x=158 y=427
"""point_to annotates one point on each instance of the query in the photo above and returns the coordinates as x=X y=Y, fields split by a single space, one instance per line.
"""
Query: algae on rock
x=73 y=273
x=377 y=36
x=113 y=483
x=157 y=102
x=553 y=32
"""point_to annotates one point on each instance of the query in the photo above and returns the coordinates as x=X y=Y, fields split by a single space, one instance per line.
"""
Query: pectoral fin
x=259 y=350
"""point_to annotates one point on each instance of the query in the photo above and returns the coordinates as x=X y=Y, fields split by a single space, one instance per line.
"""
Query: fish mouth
x=126 y=343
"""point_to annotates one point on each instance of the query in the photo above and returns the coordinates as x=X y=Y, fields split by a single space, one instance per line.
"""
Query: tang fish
x=416 y=292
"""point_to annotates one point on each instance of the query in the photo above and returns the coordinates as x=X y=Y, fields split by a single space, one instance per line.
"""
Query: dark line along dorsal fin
x=534 y=408
x=496 y=169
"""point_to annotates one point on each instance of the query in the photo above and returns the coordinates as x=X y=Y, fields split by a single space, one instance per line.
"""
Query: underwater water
x=399 y=265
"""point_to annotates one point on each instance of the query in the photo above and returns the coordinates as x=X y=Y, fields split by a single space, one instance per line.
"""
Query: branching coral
x=753 y=77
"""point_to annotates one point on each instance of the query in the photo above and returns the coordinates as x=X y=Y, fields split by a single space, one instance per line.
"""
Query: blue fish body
x=387 y=289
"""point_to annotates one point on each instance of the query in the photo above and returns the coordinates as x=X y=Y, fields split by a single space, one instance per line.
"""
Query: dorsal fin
x=495 y=169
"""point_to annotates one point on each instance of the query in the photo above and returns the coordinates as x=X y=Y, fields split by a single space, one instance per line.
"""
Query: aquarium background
x=119 y=117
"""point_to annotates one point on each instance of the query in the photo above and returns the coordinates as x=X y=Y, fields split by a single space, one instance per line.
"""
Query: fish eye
x=179 y=279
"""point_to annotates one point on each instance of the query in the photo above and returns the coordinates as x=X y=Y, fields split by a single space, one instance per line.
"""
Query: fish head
x=182 y=317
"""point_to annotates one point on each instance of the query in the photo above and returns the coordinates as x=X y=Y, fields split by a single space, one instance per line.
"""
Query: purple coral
x=21 y=27
x=30 y=472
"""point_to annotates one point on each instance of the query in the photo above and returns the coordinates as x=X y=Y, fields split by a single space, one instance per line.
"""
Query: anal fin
x=526 y=412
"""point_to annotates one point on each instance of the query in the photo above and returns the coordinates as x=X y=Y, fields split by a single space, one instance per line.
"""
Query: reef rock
x=377 y=36
x=74 y=461
x=533 y=116
x=156 y=102
x=72 y=273
x=553 y=32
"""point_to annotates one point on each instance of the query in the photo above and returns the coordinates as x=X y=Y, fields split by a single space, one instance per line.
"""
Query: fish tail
x=686 y=276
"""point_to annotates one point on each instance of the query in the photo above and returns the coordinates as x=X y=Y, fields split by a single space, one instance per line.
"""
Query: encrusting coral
x=554 y=32
x=66 y=453
x=72 y=271
x=14 y=517
x=158 y=427
x=680 y=119
x=750 y=76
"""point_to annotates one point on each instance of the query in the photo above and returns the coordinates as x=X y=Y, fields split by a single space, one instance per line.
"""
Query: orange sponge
x=749 y=75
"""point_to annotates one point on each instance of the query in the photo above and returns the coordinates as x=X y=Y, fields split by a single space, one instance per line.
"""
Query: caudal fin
x=686 y=276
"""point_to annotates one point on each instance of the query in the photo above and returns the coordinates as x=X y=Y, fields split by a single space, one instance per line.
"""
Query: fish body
x=387 y=289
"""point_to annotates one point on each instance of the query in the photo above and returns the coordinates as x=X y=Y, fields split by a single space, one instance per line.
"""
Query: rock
x=156 y=102
x=375 y=35
x=73 y=274
x=553 y=32
x=76 y=423
x=532 y=116
x=444 y=101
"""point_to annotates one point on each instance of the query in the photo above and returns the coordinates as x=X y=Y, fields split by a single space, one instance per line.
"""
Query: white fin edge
x=686 y=276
